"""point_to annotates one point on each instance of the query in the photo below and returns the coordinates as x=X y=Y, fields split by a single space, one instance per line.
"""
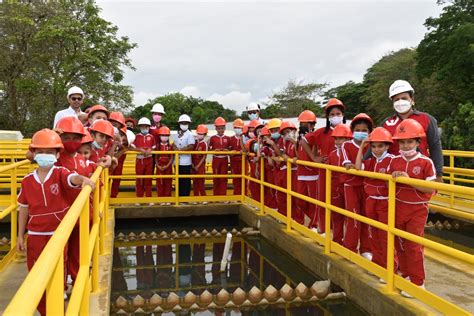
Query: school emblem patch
x=54 y=188
x=81 y=162
x=417 y=170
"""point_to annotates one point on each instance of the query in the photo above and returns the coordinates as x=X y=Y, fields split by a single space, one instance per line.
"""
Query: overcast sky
x=241 y=52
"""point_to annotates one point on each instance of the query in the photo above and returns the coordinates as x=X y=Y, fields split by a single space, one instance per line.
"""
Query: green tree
x=352 y=95
x=46 y=47
x=294 y=98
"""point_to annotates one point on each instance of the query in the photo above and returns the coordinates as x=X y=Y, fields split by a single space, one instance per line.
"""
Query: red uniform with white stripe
x=307 y=185
x=47 y=206
x=337 y=196
x=289 y=149
x=325 y=144
x=117 y=171
x=164 y=186
x=376 y=205
x=97 y=153
x=411 y=213
x=356 y=232
x=220 y=163
x=144 y=164
x=236 y=164
x=269 y=172
x=280 y=179
x=198 y=184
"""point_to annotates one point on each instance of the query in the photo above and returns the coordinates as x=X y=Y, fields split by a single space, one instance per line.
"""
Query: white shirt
x=64 y=113
x=182 y=142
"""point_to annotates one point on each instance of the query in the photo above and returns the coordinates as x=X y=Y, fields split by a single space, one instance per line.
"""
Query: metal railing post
x=288 y=196
x=55 y=290
x=14 y=212
x=451 y=180
x=262 y=193
x=243 y=190
x=390 y=236
x=176 y=179
x=327 y=239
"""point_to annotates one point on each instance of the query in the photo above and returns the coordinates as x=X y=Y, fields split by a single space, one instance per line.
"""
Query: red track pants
x=219 y=166
x=355 y=231
x=144 y=167
x=337 y=220
x=321 y=211
x=310 y=189
x=117 y=172
x=199 y=184
x=164 y=186
x=236 y=167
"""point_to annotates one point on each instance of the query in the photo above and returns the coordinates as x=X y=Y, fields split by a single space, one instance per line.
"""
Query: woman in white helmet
x=157 y=114
x=402 y=95
x=184 y=141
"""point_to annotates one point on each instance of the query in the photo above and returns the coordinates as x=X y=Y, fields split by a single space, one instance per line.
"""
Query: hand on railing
x=89 y=182
x=397 y=174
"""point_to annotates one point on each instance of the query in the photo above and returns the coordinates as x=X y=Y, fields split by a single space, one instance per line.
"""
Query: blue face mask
x=95 y=144
x=253 y=116
x=256 y=147
x=45 y=160
x=360 y=136
x=275 y=135
x=144 y=131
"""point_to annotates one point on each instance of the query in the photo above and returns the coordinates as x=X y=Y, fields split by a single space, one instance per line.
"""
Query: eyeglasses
x=75 y=99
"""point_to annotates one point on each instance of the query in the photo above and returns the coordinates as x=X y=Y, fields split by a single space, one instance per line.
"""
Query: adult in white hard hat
x=253 y=111
x=402 y=94
x=75 y=98
x=157 y=114
x=184 y=141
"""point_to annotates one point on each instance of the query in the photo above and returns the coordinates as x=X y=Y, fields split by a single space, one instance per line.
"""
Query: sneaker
x=367 y=255
x=322 y=235
x=65 y=296
x=314 y=229
x=382 y=281
x=405 y=294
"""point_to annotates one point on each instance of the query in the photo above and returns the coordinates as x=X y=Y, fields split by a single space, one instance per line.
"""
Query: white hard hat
x=253 y=107
x=158 y=108
x=400 y=86
x=130 y=137
x=144 y=121
x=74 y=90
x=184 y=118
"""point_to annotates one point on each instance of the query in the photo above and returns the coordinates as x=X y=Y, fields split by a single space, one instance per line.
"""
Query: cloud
x=235 y=100
x=142 y=97
x=191 y=91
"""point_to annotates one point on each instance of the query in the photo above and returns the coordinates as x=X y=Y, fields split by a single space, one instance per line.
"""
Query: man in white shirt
x=184 y=141
x=75 y=98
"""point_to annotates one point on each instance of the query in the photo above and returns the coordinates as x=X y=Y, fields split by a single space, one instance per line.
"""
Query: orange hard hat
x=238 y=123
x=362 y=116
x=342 y=130
x=286 y=124
x=219 y=121
x=255 y=124
x=87 y=138
x=71 y=124
x=307 y=116
x=409 y=128
x=104 y=127
x=131 y=119
x=123 y=129
x=202 y=129
x=249 y=144
x=380 y=134
x=332 y=103
x=96 y=108
x=164 y=131
x=264 y=131
x=245 y=129
x=117 y=117
x=46 y=138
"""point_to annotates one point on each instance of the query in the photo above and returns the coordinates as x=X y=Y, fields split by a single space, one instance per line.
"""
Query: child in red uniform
x=102 y=132
x=308 y=176
x=269 y=166
x=85 y=150
x=341 y=133
x=144 y=143
x=199 y=161
x=275 y=142
x=251 y=146
x=127 y=138
x=357 y=234
x=412 y=201
x=41 y=200
x=236 y=160
x=220 y=163
x=321 y=138
x=164 y=163
x=376 y=204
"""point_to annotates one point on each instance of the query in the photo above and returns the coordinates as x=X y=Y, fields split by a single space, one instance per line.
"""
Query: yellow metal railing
x=48 y=272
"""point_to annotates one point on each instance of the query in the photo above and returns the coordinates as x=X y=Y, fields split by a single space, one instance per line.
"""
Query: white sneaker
x=65 y=296
x=367 y=255
x=405 y=294
x=322 y=235
x=314 y=229
x=382 y=281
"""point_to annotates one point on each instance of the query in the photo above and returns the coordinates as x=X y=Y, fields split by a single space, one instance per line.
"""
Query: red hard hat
x=202 y=129
x=71 y=124
x=87 y=138
x=307 y=116
x=409 y=128
x=132 y=120
x=332 y=103
x=164 y=131
x=380 y=134
x=264 y=131
x=342 y=130
x=255 y=124
x=286 y=124
x=104 y=127
x=46 y=138
x=96 y=108
x=219 y=121
x=117 y=117
x=362 y=116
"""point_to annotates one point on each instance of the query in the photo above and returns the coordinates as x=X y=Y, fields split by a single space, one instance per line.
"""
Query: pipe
x=228 y=240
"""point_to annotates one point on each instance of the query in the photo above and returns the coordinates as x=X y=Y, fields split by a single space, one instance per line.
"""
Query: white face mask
x=290 y=136
x=238 y=131
x=335 y=120
x=164 y=139
x=200 y=137
x=408 y=153
x=251 y=134
x=184 y=127
x=402 y=106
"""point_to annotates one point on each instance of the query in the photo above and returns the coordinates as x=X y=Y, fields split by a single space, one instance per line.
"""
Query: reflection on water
x=182 y=265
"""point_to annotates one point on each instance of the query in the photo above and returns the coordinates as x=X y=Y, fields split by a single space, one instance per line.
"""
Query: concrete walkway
x=10 y=280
